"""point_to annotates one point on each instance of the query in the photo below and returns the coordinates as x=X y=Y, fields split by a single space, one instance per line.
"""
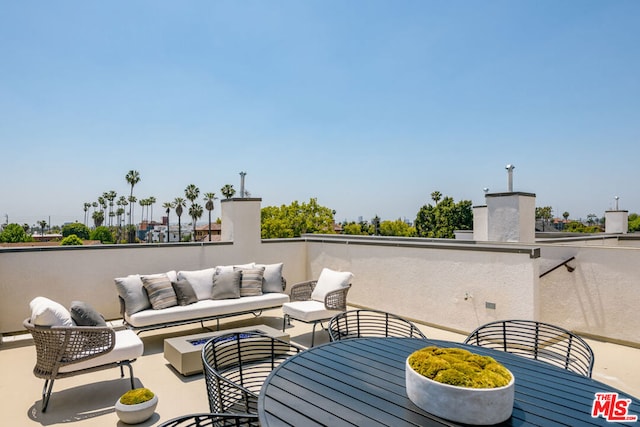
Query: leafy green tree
x=634 y=223
x=80 y=230
x=103 y=234
x=14 y=233
x=228 y=191
x=545 y=215
x=396 y=228
x=295 y=220
x=441 y=220
x=71 y=239
x=578 y=227
x=354 y=228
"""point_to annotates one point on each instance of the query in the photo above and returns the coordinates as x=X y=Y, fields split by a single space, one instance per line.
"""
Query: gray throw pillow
x=184 y=292
x=160 y=291
x=250 y=281
x=84 y=315
x=226 y=285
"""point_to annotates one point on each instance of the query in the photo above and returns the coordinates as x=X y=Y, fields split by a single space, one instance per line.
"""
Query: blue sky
x=368 y=106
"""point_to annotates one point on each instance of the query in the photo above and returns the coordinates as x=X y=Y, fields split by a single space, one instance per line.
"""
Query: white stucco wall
x=511 y=217
x=616 y=221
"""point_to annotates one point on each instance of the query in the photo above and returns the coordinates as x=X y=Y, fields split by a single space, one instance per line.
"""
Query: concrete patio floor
x=88 y=400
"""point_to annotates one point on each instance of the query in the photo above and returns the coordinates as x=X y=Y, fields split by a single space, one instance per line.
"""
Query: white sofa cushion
x=329 y=281
x=128 y=347
x=205 y=308
x=308 y=311
x=45 y=312
x=201 y=281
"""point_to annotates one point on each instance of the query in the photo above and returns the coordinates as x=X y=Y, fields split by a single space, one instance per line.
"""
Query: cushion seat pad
x=308 y=311
x=205 y=308
x=128 y=347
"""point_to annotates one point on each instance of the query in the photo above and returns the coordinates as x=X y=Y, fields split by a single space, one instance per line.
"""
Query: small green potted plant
x=459 y=385
x=136 y=406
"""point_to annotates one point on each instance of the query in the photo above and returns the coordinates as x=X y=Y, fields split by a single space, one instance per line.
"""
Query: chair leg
x=128 y=364
x=46 y=394
x=313 y=333
x=285 y=320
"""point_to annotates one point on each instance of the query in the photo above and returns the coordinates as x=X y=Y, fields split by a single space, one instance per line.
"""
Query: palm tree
x=43 y=224
x=86 y=208
x=195 y=212
x=191 y=193
x=209 y=197
x=132 y=177
x=151 y=200
x=168 y=206
x=179 y=204
x=110 y=196
x=228 y=191
x=98 y=218
x=565 y=215
x=143 y=203
x=436 y=196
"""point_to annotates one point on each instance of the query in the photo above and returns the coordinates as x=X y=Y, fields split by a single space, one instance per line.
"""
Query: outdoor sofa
x=155 y=301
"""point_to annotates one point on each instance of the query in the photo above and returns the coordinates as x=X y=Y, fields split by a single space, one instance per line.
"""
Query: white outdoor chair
x=319 y=300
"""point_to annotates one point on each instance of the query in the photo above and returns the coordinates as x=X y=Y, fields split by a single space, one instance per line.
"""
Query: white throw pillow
x=132 y=292
x=329 y=281
x=45 y=312
x=200 y=280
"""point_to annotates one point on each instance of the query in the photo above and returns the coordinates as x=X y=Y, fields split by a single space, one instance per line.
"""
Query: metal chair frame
x=235 y=366
x=371 y=323
x=536 y=340
x=213 y=420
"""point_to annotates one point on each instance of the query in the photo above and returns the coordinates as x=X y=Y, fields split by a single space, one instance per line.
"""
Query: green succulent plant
x=459 y=367
x=135 y=396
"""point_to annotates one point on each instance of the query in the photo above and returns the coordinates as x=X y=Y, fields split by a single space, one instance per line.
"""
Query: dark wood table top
x=362 y=382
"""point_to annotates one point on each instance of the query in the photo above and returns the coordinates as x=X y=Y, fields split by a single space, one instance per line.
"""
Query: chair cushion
x=250 y=281
x=226 y=285
x=45 y=312
x=308 y=311
x=184 y=292
x=160 y=292
x=128 y=347
x=330 y=281
x=200 y=280
x=83 y=314
x=272 y=277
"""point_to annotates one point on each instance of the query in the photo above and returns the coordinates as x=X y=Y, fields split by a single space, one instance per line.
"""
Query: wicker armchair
x=371 y=323
x=235 y=367
x=213 y=420
x=66 y=351
x=315 y=301
x=536 y=340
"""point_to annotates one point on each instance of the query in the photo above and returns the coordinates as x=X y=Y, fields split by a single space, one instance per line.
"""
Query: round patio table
x=361 y=382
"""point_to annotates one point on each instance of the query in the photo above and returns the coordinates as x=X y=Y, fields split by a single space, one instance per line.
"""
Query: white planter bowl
x=479 y=406
x=135 y=414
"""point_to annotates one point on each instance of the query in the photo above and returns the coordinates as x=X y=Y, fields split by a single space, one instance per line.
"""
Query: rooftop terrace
x=88 y=400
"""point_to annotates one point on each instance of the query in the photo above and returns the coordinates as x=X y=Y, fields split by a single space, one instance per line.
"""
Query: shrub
x=103 y=234
x=80 y=230
x=135 y=396
x=14 y=233
x=71 y=240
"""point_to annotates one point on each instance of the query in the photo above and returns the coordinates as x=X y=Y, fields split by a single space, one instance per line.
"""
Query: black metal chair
x=236 y=365
x=213 y=420
x=536 y=340
x=371 y=323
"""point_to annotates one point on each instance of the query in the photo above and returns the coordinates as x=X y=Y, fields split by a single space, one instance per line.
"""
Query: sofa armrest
x=302 y=291
x=337 y=300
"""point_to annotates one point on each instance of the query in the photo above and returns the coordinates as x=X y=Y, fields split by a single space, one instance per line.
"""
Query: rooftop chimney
x=510 y=169
x=242 y=175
